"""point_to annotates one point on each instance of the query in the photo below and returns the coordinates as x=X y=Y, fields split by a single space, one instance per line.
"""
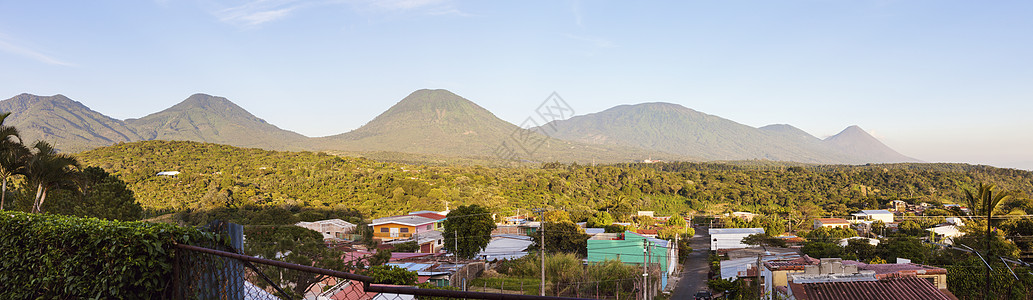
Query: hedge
x=61 y=257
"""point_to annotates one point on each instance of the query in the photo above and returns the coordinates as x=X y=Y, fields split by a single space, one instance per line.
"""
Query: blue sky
x=936 y=80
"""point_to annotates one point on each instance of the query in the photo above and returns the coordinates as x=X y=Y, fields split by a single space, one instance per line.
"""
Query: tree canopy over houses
x=468 y=230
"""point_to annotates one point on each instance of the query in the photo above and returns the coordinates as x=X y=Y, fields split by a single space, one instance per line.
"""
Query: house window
x=383 y=229
x=429 y=226
x=405 y=229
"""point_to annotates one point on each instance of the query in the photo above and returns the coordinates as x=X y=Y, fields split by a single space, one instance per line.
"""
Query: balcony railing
x=396 y=235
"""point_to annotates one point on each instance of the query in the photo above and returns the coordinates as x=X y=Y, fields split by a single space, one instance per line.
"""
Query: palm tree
x=983 y=202
x=47 y=169
x=12 y=154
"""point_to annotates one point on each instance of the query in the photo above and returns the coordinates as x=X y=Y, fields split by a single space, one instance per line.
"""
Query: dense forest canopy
x=214 y=175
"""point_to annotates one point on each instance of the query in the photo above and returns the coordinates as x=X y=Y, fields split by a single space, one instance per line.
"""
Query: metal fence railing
x=204 y=273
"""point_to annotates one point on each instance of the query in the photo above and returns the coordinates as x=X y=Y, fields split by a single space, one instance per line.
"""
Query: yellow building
x=776 y=272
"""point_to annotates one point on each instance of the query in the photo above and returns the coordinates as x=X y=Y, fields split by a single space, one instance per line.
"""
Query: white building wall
x=885 y=218
x=727 y=241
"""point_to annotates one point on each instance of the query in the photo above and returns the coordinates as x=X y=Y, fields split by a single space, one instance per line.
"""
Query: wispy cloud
x=6 y=45
x=575 y=8
x=258 y=12
x=426 y=7
x=408 y=4
x=594 y=41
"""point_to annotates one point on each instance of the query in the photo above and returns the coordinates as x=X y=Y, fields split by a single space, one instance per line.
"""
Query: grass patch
x=528 y=286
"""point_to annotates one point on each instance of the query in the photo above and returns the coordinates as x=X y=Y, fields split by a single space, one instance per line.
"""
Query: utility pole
x=989 y=212
x=541 y=230
x=649 y=260
x=645 y=269
x=760 y=287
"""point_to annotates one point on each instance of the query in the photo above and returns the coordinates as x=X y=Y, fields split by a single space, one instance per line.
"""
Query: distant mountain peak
x=31 y=98
x=440 y=122
x=859 y=143
x=206 y=102
x=425 y=99
x=852 y=134
x=667 y=105
x=854 y=129
x=68 y=124
x=789 y=131
x=651 y=106
x=207 y=118
x=778 y=127
x=439 y=109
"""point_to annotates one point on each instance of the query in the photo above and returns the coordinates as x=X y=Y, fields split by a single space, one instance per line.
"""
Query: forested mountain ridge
x=68 y=124
x=440 y=122
x=206 y=118
x=73 y=127
x=437 y=125
x=676 y=129
x=222 y=176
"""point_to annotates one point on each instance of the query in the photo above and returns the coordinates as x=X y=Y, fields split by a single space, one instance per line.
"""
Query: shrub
x=52 y=256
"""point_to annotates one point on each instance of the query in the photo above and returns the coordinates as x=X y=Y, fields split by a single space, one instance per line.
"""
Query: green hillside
x=223 y=176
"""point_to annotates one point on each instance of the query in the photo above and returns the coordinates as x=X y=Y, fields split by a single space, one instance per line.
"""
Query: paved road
x=694 y=277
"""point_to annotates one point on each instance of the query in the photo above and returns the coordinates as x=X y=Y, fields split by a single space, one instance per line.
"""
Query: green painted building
x=628 y=248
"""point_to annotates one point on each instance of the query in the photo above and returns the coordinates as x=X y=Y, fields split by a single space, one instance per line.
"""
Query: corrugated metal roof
x=898 y=288
x=736 y=231
x=415 y=267
x=833 y=221
x=794 y=264
x=881 y=269
x=412 y=220
x=430 y=215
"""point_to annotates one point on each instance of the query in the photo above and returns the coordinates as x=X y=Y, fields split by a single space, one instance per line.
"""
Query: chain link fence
x=205 y=273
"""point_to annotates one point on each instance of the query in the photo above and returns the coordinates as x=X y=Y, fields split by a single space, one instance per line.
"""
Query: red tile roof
x=353 y=291
x=833 y=221
x=646 y=231
x=896 y=288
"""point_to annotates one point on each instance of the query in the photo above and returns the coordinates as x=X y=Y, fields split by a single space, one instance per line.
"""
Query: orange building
x=831 y=223
x=403 y=227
